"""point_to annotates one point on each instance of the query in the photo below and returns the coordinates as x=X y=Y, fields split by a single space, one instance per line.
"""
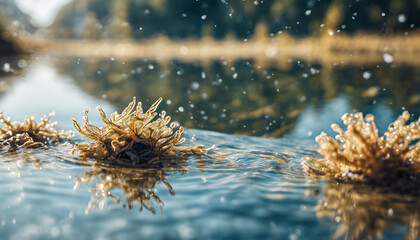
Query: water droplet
x=330 y=32
x=22 y=63
x=367 y=75
x=203 y=75
x=314 y=71
x=150 y=66
x=390 y=212
x=235 y=75
x=308 y=12
x=183 y=50
x=401 y=18
x=181 y=109
x=195 y=85
x=204 y=17
x=388 y=58
x=184 y=15
x=6 y=67
x=168 y=102
x=337 y=219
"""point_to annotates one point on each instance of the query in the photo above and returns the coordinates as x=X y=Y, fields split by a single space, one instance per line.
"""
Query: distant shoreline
x=359 y=49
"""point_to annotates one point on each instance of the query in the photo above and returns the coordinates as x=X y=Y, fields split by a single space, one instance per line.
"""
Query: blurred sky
x=42 y=12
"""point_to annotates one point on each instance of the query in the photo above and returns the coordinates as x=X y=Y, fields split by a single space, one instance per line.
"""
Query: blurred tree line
x=13 y=23
x=197 y=18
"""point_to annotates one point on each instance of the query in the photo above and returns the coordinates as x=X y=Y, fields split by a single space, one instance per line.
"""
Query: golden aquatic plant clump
x=359 y=153
x=134 y=136
x=30 y=134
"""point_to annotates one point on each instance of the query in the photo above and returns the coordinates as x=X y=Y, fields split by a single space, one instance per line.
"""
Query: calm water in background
x=256 y=189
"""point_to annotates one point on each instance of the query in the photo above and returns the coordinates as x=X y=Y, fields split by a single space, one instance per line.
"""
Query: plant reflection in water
x=366 y=212
x=133 y=184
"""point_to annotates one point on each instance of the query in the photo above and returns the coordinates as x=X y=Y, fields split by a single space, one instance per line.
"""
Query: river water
x=261 y=118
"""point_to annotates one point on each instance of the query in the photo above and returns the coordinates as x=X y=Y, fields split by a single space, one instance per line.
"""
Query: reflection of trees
x=243 y=96
x=367 y=212
x=16 y=65
x=235 y=99
x=395 y=85
x=134 y=185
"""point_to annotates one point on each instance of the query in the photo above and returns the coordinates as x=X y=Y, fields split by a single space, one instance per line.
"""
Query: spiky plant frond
x=360 y=153
x=30 y=134
x=133 y=135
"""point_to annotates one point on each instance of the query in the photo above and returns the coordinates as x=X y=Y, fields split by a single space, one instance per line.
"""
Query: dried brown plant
x=134 y=136
x=364 y=211
x=29 y=134
x=360 y=154
x=135 y=185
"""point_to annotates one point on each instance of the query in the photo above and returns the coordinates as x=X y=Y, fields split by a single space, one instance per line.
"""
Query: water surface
x=252 y=187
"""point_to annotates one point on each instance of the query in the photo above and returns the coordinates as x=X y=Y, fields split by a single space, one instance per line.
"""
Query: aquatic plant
x=135 y=185
x=133 y=137
x=365 y=212
x=360 y=154
x=29 y=134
